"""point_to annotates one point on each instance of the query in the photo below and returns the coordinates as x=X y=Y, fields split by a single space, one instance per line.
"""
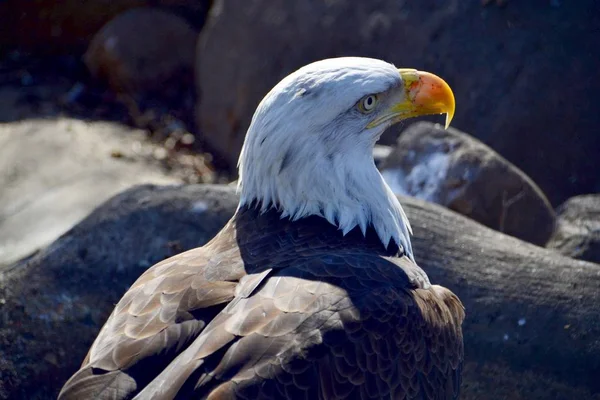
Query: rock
x=55 y=172
x=380 y=153
x=143 y=51
x=66 y=27
x=453 y=169
x=532 y=322
x=577 y=231
x=522 y=103
x=55 y=302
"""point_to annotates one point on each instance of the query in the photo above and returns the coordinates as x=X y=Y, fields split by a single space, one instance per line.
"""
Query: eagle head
x=309 y=147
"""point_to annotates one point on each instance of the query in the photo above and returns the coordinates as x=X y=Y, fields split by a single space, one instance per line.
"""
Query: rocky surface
x=577 y=231
x=66 y=27
x=532 y=322
x=53 y=173
x=523 y=103
x=453 y=169
x=142 y=52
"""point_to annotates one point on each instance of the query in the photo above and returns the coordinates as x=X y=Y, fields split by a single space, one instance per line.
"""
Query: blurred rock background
x=99 y=96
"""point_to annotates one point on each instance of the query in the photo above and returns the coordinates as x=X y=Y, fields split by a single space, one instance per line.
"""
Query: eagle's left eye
x=367 y=103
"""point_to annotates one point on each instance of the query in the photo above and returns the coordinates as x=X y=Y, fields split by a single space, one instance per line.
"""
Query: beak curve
x=425 y=94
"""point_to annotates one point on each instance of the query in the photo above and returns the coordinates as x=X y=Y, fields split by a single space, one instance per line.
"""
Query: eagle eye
x=367 y=103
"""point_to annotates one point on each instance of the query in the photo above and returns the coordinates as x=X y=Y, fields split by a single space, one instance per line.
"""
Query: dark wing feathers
x=300 y=317
x=390 y=357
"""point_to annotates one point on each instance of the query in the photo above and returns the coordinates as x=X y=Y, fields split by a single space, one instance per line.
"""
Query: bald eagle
x=311 y=290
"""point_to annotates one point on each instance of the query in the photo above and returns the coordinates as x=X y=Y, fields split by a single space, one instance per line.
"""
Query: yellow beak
x=425 y=94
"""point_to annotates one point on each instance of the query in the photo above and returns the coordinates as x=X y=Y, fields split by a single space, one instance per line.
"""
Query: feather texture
x=273 y=309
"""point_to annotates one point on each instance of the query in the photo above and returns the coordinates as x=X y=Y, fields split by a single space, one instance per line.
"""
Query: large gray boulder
x=577 y=231
x=451 y=168
x=144 y=51
x=532 y=323
x=53 y=173
x=524 y=75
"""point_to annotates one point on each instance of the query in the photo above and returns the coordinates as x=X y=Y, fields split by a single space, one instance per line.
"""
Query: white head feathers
x=308 y=150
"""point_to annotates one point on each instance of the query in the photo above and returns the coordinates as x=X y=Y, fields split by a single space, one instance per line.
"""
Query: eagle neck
x=252 y=224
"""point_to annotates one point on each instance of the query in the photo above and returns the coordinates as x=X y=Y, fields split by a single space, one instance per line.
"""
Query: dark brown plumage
x=275 y=309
